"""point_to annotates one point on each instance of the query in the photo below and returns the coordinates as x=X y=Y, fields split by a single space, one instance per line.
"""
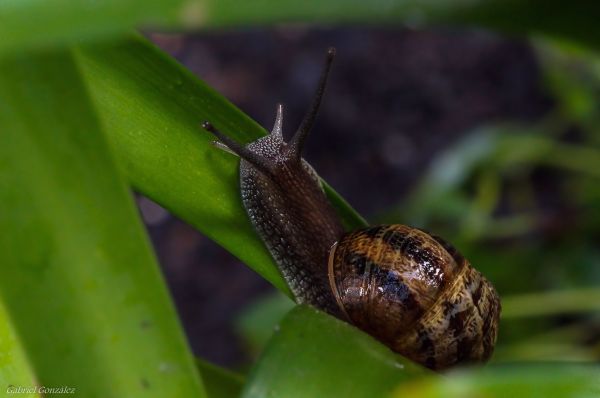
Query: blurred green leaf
x=575 y=21
x=219 y=382
x=312 y=354
x=27 y=24
x=531 y=381
x=551 y=303
x=538 y=149
x=501 y=148
x=78 y=277
x=545 y=352
x=15 y=370
x=566 y=342
x=572 y=75
x=152 y=109
x=442 y=180
x=256 y=324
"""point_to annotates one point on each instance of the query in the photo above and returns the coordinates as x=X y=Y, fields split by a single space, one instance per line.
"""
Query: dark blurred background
x=398 y=101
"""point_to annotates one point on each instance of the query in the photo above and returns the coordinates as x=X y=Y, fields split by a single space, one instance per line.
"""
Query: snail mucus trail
x=411 y=290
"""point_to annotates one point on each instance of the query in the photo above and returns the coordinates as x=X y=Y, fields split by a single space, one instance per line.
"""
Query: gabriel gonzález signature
x=11 y=389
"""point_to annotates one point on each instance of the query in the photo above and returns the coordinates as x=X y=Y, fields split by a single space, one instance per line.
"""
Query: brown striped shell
x=415 y=293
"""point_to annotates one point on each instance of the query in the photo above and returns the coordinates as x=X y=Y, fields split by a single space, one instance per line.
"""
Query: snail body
x=411 y=290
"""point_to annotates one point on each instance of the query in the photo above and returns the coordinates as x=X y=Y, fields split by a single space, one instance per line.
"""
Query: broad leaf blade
x=152 y=109
x=78 y=277
x=312 y=354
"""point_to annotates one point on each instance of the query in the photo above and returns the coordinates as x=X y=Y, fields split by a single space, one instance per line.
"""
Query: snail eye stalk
x=297 y=142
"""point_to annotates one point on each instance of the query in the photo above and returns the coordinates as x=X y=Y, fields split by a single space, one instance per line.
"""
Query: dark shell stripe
x=416 y=294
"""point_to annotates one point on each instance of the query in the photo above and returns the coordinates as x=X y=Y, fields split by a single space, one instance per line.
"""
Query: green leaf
x=78 y=277
x=312 y=354
x=27 y=24
x=531 y=381
x=551 y=303
x=575 y=21
x=152 y=109
x=504 y=147
x=15 y=371
x=257 y=322
x=219 y=382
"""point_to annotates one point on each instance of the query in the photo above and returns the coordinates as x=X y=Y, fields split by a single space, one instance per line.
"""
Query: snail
x=409 y=289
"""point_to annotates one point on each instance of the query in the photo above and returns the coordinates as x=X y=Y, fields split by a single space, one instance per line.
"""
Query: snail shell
x=415 y=293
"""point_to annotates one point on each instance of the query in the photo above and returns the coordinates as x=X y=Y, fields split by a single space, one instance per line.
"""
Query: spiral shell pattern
x=415 y=293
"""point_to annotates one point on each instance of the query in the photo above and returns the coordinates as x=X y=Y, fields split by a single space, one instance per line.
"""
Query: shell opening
x=331 y=277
